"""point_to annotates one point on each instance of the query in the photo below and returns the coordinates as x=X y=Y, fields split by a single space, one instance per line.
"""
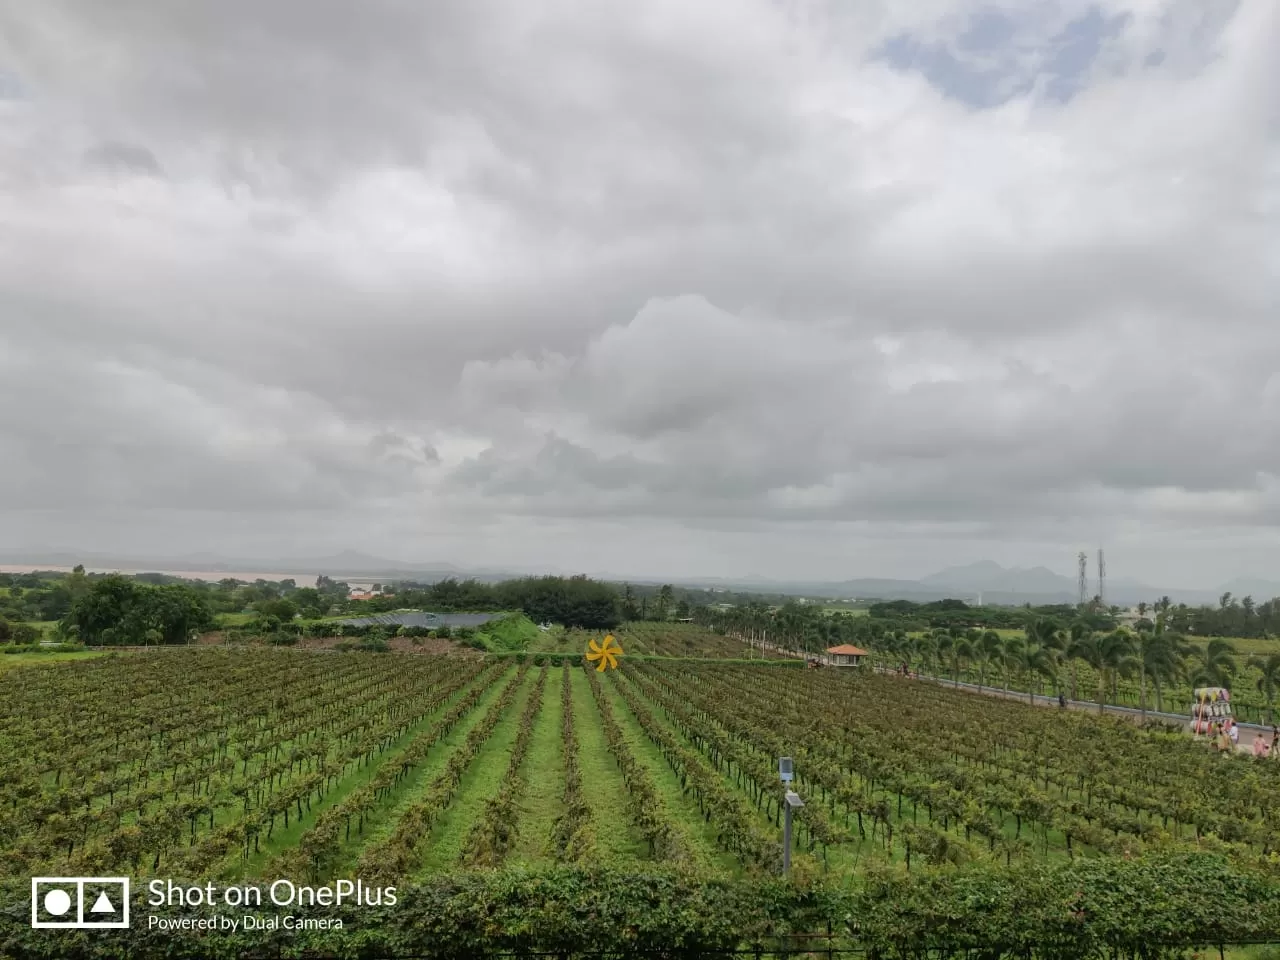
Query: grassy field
x=11 y=661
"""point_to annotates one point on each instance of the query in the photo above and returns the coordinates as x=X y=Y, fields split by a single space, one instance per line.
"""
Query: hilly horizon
x=984 y=580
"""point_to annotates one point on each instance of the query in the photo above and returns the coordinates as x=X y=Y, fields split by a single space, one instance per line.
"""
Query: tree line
x=1049 y=652
x=155 y=609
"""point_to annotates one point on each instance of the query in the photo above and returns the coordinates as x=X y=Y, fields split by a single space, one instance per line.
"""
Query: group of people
x=1262 y=747
x=1225 y=736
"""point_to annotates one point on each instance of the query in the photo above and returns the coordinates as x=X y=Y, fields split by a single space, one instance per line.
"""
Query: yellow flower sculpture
x=607 y=653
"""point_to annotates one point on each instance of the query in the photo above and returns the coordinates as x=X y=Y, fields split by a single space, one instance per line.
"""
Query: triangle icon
x=102 y=904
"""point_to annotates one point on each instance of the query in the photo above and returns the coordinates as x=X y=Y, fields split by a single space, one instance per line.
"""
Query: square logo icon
x=79 y=903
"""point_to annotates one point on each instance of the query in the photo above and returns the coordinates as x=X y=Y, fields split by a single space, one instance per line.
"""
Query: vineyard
x=267 y=762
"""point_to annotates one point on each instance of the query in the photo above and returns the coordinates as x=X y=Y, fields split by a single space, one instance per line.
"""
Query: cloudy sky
x=789 y=287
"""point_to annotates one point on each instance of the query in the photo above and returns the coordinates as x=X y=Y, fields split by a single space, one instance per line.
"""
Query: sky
x=790 y=288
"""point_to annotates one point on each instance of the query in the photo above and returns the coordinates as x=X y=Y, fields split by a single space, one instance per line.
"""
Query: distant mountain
x=1242 y=587
x=986 y=576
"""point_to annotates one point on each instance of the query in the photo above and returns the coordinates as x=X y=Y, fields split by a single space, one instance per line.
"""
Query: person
x=1224 y=740
x=1062 y=700
x=1233 y=731
x=1260 y=746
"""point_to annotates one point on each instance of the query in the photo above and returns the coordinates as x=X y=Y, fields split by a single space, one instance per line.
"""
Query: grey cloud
x=123 y=157
x=508 y=267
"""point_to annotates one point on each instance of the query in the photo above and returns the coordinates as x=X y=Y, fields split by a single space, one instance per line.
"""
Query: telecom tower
x=1102 y=580
x=1083 y=561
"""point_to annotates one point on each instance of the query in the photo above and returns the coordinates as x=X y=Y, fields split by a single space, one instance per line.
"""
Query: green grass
x=681 y=808
x=555 y=640
x=381 y=824
x=514 y=631
x=13 y=660
x=481 y=780
x=602 y=785
x=284 y=838
x=543 y=774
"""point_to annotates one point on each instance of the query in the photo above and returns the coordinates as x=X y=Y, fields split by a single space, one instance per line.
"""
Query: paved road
x=1248 y=731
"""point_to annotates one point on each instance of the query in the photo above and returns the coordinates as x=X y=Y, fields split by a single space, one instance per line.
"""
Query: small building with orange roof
x=845 y=655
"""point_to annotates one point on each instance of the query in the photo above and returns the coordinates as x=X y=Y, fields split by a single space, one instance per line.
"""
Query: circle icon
x=57 y=902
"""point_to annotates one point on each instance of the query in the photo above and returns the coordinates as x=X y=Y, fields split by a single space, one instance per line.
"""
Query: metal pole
x=786 y=841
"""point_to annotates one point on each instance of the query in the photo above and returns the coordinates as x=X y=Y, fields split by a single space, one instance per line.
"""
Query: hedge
x=1151 y=907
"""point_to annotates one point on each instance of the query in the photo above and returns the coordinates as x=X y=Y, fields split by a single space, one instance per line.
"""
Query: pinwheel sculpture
x=604 y=653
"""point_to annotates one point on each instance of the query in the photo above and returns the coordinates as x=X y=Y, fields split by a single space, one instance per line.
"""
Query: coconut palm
x=1032 y=660
x=1163 y=655
x=966 y=647
x=1010 y=647
x=1119 y=657
x=1269 y=681
x=1080 y=637
x=1089 y=650
x=1216 y=666
x=987 y=649
x=945 y=645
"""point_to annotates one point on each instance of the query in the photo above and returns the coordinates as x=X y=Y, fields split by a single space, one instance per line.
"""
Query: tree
x=1029 y=659
x=283 y=610
x=1119 y=657
x=986 y=650
x=117 y=610
x=1163 y=655
x=1217 y=664
x=1078 y=646
x=1269 y=679
x=629 y=609
x=662 y=605
x=25 y=634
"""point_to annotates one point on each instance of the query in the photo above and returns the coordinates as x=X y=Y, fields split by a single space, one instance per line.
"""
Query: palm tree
x=1118 y=657
x=965 y=649
x=987 y=649
x=1269 y=681
x=1030 y=659
x=1088 y=648
x=1163 y=655
x=945 y=644
x=1081 y=636
x=1217 y=666
x=1008 y=657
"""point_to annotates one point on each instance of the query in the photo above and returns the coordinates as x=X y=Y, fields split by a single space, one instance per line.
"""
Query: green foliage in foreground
x=1155 y=907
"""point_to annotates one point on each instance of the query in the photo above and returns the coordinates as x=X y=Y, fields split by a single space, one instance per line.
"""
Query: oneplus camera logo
x=79 y=903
